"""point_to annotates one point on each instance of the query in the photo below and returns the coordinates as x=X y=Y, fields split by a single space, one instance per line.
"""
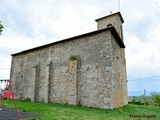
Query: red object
x=9 y=94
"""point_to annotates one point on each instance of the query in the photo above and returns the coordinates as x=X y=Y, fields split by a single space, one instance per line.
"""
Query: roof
x=112 y=15
x=112 y=29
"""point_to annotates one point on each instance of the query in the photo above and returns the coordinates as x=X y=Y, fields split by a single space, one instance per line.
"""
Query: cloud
x=73 y=22
x=156 y=3
x=141 y=33
x=143 y=49
x=142 y=57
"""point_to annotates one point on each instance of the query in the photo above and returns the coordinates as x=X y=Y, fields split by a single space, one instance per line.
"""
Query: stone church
x=87 y=70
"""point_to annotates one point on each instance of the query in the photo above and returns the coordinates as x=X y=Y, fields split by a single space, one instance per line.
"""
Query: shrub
x=156 y=98
x=26 y=100
x=138 y=103
x=73 y=58
x=133 y=101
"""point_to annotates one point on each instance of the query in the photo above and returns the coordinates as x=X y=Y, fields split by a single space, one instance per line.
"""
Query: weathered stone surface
x=115 y=20
x=96 y=78
x=73 y=83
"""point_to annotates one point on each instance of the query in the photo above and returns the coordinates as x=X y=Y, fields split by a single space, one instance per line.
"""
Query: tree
x=1 y=27
x=156 y=98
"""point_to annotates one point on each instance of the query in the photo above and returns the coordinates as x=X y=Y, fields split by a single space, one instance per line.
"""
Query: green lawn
x=66 y=112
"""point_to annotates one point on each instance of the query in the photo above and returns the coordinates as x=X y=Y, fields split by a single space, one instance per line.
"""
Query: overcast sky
x=30 y=23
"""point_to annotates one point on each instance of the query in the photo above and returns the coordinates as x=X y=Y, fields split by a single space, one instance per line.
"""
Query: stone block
x=106 y=100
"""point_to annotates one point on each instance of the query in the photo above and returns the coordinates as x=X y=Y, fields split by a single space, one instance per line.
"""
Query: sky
x=31 y=23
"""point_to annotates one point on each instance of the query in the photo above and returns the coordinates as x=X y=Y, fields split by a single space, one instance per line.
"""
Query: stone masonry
x=87 y=70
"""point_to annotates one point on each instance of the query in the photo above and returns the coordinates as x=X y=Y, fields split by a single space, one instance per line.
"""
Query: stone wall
x=73 y=82
x=48 y=75
x=119 y=75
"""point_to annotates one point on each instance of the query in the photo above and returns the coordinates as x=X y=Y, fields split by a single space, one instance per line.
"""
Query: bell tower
x=114 y=19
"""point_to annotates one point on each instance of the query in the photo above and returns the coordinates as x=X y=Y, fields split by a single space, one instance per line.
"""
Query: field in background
x=67 y=112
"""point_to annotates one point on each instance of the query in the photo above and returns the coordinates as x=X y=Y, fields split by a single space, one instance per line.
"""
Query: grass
x=67 y=112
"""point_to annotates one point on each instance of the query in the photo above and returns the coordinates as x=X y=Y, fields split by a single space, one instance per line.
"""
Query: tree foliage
x=156 y=97
x=1 y=27
x=143 y=99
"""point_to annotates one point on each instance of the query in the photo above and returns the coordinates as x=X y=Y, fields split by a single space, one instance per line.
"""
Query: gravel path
x=10 y=114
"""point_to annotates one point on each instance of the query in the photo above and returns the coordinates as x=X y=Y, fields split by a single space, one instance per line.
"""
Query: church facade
x=87 y=70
